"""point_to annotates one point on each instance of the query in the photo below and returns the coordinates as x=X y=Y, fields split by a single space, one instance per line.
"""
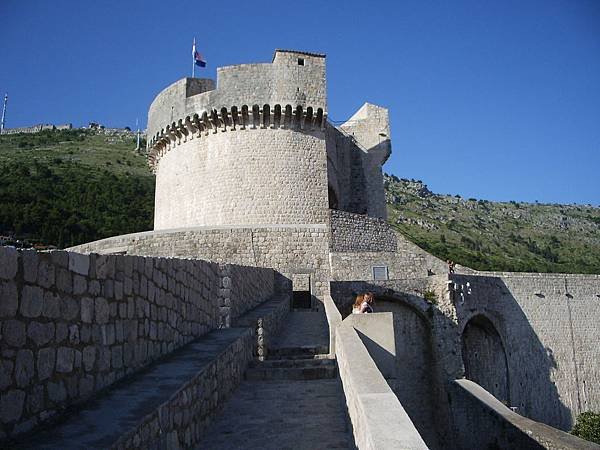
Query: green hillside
x=484 y=235
x=69 y=187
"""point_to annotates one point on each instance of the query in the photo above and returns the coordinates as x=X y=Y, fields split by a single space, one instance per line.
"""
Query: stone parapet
x=473 y=408
x=378 y=419
x=72 y=324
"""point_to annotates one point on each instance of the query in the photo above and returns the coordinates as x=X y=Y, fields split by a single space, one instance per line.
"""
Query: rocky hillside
x=485 y=235
x=68 y=187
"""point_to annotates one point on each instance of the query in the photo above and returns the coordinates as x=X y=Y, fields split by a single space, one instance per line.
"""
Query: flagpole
x=193 y=60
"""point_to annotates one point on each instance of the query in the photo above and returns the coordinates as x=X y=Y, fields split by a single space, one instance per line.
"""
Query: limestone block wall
x=243 y=288
x=288 y=249
x=356 y=262
x=170 y=103
x=182 y=421
x=243 y=177
x=73 y=324
x=355 y=233
x=548 y=324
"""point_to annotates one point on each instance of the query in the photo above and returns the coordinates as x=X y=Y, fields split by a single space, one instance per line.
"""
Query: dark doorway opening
x=301 y=300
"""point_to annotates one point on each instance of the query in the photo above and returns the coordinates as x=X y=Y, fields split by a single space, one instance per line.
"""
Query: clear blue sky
x=489 y=99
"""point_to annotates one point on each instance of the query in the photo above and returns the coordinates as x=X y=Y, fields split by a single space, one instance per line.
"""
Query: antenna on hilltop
x=3 y=113
x=137 y=126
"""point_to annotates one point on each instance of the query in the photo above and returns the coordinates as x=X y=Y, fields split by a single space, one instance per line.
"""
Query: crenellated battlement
x=232 y=119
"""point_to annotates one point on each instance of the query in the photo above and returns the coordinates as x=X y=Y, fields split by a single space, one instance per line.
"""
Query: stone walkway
x=281 y=415
x=286 y=414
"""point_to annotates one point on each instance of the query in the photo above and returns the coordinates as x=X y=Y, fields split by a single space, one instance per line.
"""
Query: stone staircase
x=292 y=400
x=299 y=363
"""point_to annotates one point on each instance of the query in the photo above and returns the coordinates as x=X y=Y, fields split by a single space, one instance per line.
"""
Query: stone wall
x=170 y=104
x=408 y=261
x=481 y=421
x=182 y=420
x=288 y=249
x=357 y=233
x=243 y=177
x=547 y=324
x=73 y=324
x=243 y=288
x=378 y=419
x=37 y=128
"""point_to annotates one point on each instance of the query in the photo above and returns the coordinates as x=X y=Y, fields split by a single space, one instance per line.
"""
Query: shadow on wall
x=493 y=344
x=503 y=354
x=399 y=339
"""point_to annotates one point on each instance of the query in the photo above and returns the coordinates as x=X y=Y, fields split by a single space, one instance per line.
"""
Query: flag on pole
x=198 y=59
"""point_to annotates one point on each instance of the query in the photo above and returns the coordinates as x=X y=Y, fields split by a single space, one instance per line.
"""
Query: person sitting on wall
x=367 y=305
x=357 y=303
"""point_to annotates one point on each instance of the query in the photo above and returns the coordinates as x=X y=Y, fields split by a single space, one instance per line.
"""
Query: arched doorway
x=484 y=357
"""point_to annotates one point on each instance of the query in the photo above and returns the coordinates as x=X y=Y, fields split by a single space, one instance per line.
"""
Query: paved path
x=282 y=415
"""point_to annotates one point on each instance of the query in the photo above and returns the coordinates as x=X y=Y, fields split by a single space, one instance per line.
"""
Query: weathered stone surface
x=35 y=400
x=79 y=263
x=9 y=301
x=73 y=334
x=45 y=363
x=64 y=281
x=51 y=308
x=102 y=311
x=89 y=357
x=46 y=271
x=105 y=266
x=13 y=333
x=69 y=308
x=79 y=285
x=32 y=301
x=60 y=258
x=40 y=333
x=117 y=357
x=62 y=331
x=86 y=386
x=24 y=368
x=56 y=391
x=87 y=309
x=30 y=260
x=9 y=262
x=94 y=288
x=6 y=371
x=65 y=357
x=11 y=405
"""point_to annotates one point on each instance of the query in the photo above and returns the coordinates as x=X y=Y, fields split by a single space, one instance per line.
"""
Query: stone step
x=292 y=363
x=291 y=370
x=308 y=352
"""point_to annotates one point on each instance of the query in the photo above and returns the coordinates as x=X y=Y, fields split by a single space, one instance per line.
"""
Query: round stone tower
x=250 y=151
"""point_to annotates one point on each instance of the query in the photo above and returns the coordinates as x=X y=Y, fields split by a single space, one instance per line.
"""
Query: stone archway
x=484 y=357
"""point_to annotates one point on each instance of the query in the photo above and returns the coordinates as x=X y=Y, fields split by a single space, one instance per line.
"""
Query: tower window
x=300 y=61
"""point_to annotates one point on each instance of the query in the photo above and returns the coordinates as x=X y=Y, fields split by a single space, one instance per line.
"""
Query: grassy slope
x=497 y=236
x=70 y=187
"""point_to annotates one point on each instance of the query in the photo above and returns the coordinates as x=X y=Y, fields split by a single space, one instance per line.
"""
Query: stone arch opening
x=484 y=357
x=333 y=198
